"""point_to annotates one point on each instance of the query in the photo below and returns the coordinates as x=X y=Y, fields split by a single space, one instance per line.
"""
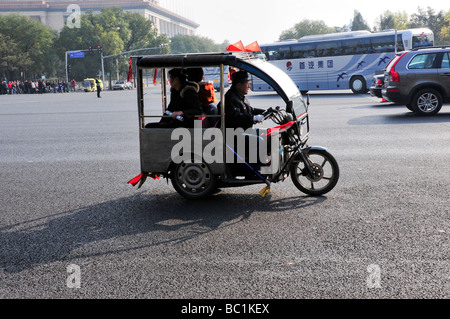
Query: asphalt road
x=71 y=227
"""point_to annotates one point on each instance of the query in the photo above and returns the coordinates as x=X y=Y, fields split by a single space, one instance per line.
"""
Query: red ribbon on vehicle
x=154 y=76
x=130 y=71
x=135 y=180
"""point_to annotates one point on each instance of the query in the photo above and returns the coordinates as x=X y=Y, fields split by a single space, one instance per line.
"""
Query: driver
x=238 y=112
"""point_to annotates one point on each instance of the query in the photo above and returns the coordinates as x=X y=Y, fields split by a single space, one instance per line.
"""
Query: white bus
x=340 y=61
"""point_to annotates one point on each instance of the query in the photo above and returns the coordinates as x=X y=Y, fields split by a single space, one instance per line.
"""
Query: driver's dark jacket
x=238 y=112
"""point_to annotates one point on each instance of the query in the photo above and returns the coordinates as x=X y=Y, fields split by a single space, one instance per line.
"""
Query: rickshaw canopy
x=260 y=68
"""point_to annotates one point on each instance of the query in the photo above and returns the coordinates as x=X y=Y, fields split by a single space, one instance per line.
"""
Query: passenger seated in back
x=206 y=94
x=184 y=102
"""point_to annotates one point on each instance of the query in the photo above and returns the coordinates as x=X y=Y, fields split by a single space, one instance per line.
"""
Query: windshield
x=422 y=39
x=285 y=83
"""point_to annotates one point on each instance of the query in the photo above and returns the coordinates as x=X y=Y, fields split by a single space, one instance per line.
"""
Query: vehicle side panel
x=156 y=149
x=444 y=75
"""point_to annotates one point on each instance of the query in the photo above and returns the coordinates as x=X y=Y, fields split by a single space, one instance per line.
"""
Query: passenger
x=238 y=112
x=184 y=102
x=206 y=94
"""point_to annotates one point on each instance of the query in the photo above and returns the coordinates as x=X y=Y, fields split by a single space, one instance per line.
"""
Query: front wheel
x=325 y=173
x=193 y=180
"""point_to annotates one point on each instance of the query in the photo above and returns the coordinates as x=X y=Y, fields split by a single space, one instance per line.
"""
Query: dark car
x=420 y=79
x=377 y=84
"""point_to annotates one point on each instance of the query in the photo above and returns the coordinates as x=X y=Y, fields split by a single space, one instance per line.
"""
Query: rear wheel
x=427 y=102
x=193 y=180
x=358 y=85
x=325 y=173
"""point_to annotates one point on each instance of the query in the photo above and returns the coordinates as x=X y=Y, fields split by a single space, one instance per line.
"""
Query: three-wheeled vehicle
x=90 y=86
x=201 y=159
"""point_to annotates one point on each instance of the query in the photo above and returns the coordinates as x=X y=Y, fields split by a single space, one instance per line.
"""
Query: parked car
x=122 y=85
x=377 y=84
x=420 y=79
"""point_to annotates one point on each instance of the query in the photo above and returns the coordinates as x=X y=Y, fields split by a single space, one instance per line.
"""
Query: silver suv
x=420 y=79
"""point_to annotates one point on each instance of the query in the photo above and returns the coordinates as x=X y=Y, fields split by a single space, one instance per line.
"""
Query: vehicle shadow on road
x=152 y=220
x=387 y=105
x=400 y=118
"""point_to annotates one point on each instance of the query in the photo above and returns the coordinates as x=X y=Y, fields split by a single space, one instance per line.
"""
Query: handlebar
x=270 y=111
x=277 y=115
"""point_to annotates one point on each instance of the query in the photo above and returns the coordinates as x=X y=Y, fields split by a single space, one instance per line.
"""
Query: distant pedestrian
x=40 y=87
x=4 y=88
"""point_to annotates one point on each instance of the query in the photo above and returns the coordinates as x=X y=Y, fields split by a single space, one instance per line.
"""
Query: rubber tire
x=362 y=87
x=425 y=94
x=193 y=180
x=329 y=186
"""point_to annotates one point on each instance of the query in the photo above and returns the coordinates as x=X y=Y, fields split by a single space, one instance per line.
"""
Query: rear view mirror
x=289 y=107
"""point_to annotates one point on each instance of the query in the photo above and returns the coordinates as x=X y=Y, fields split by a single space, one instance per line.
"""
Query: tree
x=437 y=22
x=143 y=33
x=445 y=31
x=116 y=31
x=193 y=44
x=12 y=60
x=430 y=19
x=306 y=27
x=33 y=42
x=390 y=20
x=88 y=35
x=359 y=23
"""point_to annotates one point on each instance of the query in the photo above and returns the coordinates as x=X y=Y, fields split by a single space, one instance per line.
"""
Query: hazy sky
x=264 y=20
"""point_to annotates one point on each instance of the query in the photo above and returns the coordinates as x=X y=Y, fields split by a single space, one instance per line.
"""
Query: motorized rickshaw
x=197 y=164
x=89 y=85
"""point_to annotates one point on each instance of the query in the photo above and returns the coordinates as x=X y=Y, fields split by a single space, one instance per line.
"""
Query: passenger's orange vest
x=207 y=94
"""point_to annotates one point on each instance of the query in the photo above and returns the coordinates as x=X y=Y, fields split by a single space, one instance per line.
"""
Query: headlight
x=288 y=118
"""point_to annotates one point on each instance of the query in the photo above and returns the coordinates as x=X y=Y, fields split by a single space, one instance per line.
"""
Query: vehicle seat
x=212 y=109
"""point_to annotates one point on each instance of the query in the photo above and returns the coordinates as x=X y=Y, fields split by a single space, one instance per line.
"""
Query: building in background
x=54 y=13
